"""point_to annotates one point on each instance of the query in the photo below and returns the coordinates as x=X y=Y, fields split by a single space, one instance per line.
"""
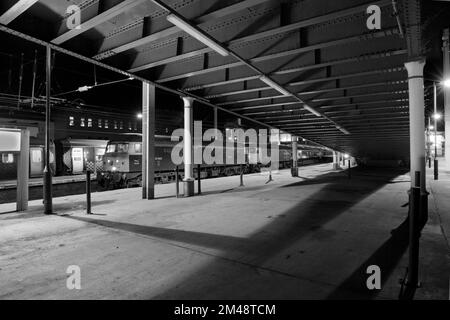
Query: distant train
x=122 y=162
x=8 y=163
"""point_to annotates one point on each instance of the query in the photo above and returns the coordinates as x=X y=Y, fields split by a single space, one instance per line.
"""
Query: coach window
x=82 y=124
x=135 y=126
x=36 y=156
x=7 y=158
x=138 y=148
x=89 y=123
x=121 y=125
x=106 y=124
x=115 y=124
x=99 y=123
x=71 y=121
x=122 y=147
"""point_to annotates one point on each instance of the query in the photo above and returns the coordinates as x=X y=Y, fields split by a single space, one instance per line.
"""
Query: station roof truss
x=281 y=56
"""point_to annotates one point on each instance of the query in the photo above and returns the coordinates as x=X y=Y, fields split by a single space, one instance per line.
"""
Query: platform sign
x=9 y=140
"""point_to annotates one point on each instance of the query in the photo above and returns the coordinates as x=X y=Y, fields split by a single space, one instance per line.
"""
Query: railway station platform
x=310 y=237
x=73 y=184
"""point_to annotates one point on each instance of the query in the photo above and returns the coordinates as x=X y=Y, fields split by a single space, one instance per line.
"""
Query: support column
x=188 y=182
x=294 y=156
x=47 y=183
x=417 y=121
x=23 y=170
x=148 y=140
x=446 y=69
x=336 y=160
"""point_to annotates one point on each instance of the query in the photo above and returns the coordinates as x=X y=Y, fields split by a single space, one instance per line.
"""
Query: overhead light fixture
x=193 y=32
x=139 y=115
x=275 y=86
x=84 y=88
x=313 y=111
x=446 y=83
x=437 y=116
x=344 y=131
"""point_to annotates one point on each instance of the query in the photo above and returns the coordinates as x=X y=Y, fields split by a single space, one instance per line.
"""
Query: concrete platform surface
x=311 y=237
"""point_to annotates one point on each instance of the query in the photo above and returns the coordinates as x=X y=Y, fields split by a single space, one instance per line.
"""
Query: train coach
x=122 y=162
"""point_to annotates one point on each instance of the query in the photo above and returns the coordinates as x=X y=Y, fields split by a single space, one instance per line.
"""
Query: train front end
x=121 y=165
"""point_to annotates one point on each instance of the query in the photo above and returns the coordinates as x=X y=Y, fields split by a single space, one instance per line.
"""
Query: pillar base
x=294 y=171
x=336 y=166
x=189 y=187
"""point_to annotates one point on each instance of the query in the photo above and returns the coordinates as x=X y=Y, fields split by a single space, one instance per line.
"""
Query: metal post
x=177 y=181
x=23 y=164
x=148 y=140
x=241 y=175
x=417 y=129
x=294 y=156
x=88 y=192
x=188 y=182
x=414 y=216
x=349 y=169
x=446 y=69
x=428 y=143
x=436 y=163
x=47 y=183
x=199 y=178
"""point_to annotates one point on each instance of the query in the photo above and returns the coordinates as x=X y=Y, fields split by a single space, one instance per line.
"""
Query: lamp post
x=436 y=117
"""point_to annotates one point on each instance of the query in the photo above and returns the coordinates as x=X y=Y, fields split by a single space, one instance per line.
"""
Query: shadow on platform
x=307 y=217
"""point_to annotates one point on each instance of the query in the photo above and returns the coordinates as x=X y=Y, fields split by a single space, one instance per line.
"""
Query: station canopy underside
x=320 y=51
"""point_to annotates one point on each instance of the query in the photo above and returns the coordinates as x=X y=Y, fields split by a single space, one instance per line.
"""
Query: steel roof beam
x=399 y=92
x=305 y=82
x=16 y=10
x=173 y=30
x=97 y=20
x=361 y=58
x=367 y=85
x=374 y=118
x=264 y=34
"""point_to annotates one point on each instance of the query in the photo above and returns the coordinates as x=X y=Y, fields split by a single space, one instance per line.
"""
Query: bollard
x=242 y=175
x=88 y=192
x=429 y=162
x=414 y=214
x=436 y=169
x=349 y=170
x=199 y=179
x=177 y=182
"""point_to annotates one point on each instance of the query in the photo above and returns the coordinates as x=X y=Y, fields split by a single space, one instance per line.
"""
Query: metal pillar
x=47 y=183
x=215 y=118
x=414 y=235
x=446 y=56
x=417 y=130
x=177 y=182
x=88 y=192
x=148 y=140
x=294 y=157
x=336 y=160
x=199 y=179
x=417 y=120
x=23 y=171
x=188 y=182
x=436 y=163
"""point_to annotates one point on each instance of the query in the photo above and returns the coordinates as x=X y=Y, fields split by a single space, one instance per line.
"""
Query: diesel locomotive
x=122 y=162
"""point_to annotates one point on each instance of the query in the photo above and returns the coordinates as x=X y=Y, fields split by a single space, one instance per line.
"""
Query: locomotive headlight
x=117 y=161
x=113 y=169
